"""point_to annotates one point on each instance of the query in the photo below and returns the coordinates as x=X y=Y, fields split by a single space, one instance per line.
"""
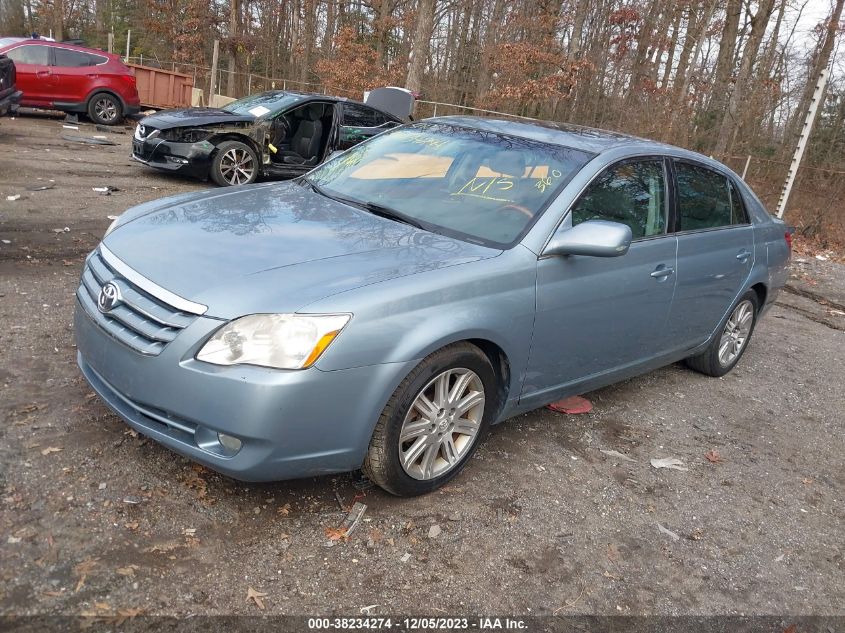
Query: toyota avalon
x=384 y=310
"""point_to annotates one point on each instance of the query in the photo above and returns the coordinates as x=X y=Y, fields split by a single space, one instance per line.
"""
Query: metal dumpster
x=160 y=88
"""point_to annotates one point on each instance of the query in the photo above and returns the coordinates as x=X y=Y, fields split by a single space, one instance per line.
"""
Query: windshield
x=263 y=104
x=472 y=184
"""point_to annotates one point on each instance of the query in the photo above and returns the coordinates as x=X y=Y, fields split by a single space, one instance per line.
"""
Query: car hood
x=273 y=248
x=191 y=117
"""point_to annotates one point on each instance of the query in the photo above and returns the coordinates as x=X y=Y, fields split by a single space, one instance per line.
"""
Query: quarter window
x=632 y=193
x=706 y=199
x=74 y=59
x=31 y=54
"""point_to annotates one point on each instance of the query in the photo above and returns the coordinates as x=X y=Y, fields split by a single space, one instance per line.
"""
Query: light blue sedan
x=385 y=310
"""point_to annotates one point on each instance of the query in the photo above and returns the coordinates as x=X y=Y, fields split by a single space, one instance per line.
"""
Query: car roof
x=316 y=96
x=593 y=140
x=51 y=44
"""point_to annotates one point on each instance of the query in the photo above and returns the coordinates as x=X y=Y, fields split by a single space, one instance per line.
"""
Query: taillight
x=788 y=237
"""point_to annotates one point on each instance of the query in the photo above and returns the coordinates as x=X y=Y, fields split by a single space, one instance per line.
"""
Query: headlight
x=282 y=341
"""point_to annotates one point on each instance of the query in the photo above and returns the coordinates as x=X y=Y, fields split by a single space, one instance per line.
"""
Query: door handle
x=662 y=272
x=743 y=255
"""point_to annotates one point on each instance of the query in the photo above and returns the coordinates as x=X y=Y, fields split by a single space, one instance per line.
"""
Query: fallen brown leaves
x=128 y=571
x=336 y=534
x=256 y=597
x=82 y=570
x=713 y=456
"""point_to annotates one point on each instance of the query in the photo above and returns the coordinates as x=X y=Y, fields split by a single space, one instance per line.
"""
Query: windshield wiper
x=372 y=207
x=390 y=214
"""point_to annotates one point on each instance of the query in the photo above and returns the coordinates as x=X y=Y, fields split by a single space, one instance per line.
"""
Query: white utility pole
x=128 y=40
x=802 y=142
x=212 y=84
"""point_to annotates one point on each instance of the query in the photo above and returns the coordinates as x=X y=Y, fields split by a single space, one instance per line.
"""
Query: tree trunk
x=821 y=62
x=423 y=26
x=234 y=33
x=725 y=59
x=743 y=79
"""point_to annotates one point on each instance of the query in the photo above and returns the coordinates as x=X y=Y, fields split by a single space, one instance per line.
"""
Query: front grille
x=140 y=321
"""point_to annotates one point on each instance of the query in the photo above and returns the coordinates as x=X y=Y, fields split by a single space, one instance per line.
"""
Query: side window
x=355 y=115
x=31 y=54
x=72 y=59
x=706 y=199
x=632 y=193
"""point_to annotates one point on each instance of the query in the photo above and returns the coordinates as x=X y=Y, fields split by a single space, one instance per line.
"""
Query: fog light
x=230 y=443
x=176 y=159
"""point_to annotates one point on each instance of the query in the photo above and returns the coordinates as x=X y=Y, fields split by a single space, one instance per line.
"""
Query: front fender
x=408 y=318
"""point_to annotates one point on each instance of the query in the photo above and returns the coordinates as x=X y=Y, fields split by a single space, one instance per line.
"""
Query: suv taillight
x=788 y=237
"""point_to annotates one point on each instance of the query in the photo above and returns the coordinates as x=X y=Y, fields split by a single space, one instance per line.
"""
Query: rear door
x=600 y=314
x=360 y=122
x=74 y=72
x=715 y=251
x=34 y=73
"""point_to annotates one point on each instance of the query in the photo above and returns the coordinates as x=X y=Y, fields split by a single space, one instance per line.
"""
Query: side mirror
x=595 y=238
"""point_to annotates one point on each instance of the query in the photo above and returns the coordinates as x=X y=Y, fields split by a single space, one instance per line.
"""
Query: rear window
x=30 y=54
x=706 y=199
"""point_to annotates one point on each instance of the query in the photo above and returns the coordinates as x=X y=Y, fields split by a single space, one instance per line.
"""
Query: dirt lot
x=94 y=519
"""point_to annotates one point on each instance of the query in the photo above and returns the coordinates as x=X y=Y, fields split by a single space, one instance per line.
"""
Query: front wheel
x=730 y=344
x=105 y=109
x=433 y=422
x=235 y=163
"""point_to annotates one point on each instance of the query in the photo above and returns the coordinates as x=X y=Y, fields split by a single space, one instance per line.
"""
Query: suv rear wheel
x=105 y=109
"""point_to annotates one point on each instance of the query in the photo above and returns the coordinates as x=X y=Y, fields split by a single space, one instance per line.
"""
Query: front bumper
x=191 y=159
x=9 y=103
x=292 y=423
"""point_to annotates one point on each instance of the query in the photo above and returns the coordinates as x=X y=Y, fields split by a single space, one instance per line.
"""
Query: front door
x=595 y=314
x=715 y=252
x=34 y=73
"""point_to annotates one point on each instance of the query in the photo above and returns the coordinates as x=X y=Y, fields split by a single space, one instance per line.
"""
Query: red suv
x=73 y=79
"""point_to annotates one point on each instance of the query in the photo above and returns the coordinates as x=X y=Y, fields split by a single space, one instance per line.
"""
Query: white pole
x=111 y=42
x=213 y=83
x=802 y=142
x=128 y=40
x=745 y=169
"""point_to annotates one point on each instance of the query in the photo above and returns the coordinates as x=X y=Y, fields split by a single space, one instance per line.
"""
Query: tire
x=440 y=433
x=710 y=362
x=234 y=163
x=105 y=109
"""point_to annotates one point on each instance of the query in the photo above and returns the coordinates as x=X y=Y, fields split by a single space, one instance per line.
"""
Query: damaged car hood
x=193 y=117
x=273 y=248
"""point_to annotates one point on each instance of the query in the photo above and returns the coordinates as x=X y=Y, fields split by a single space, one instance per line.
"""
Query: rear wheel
x=105 y=109
x=235 y=163
x=727 y=348
x=433 y=422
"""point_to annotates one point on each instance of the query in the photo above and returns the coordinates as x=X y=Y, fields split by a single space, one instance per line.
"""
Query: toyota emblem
x=109 y=297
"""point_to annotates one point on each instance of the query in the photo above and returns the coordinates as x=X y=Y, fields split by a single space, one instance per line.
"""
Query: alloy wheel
x=442 y=424
x=737 y=331
x=105 y=109
x=237 y=166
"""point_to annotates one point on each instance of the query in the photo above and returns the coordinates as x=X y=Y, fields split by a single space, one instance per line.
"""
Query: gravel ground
x=95 y=519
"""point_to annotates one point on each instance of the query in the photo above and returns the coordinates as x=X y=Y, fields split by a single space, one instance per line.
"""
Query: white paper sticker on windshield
x=259 y=111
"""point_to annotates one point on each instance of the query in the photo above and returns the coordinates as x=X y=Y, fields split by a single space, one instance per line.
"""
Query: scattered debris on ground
x=573 y=405
x=668 y=462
